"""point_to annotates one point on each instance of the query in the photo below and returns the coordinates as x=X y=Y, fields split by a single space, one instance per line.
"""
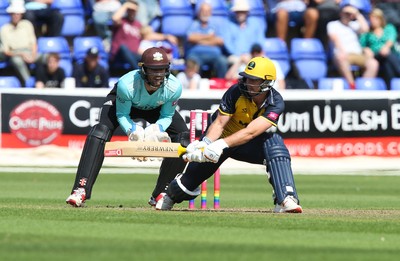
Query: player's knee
x=101 y=132
x=274 y=148
x=178 y=192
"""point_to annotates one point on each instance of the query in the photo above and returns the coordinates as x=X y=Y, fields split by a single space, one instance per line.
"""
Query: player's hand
x=214 y=150
x=137 y=134
x=158 y=137
x=195 y=156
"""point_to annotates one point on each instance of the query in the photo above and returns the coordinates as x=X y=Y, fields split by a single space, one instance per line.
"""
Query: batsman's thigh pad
x=178 y=192
x=278 y=162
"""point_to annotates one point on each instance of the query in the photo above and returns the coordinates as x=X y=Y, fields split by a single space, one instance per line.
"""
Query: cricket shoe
x=289 y=205
x=152 y=201
x=77 y=198
x=164 y=202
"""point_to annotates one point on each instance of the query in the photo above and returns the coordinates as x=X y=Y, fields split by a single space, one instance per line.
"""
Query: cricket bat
x=143 y=149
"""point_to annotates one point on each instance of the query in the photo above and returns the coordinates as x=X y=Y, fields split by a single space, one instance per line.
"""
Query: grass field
x=345 y=218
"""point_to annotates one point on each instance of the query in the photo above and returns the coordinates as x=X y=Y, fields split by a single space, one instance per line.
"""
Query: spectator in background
x=347 y=51
x=205 y=42
x=190 y=77
x=241 y=36
x=18 y=42
x=90 y=73
x=50 y=74
x=128 y=33
x=257 y=51
x=379 y=42
x=317 y=16
x=40 y=12
x=391 y=9
x=103 y=11
x=149 y=9
x=280 y=84
x=285 y=11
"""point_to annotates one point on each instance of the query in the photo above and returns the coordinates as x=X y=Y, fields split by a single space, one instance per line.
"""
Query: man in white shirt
x=347 y=50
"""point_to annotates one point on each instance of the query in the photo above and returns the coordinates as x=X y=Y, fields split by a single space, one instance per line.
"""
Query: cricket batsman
x=238 y=130
x=150 y=93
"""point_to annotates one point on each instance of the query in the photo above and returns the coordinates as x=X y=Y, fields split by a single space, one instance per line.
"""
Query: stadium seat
x=370 y=84
x=334 y=84
x=219 y=7
x=395 y=84
x=276 y=49
x=309 y=58
x=257 y=14
x=30 y=83
x=57 y=44
x=4 y=19
x=177 y=16
x=74 y=16
x=9 y=82
x=363 y=5
x=112 y=81
x=82 y=43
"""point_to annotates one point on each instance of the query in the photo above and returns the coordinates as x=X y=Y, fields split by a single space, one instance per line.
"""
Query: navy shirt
x=93 y=79
x=243 y=110
x=50 y=80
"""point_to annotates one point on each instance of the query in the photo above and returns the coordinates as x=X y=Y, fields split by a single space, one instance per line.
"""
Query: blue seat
x=395 y=84
x=4 y=19
x=81 y=44
x=112 y=81
x=276 y=49
x=177 y=17
x=57 y=44
x=219 y=7
x=370 y=84
x=309 y=58
x=74 y=16
x=9 y=82
x=335 y=83
x=363 y=5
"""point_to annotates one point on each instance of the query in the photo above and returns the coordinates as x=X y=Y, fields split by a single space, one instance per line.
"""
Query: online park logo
x=36 y=122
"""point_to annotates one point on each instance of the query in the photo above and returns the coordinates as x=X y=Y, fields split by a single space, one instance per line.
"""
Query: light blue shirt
x=131 y=92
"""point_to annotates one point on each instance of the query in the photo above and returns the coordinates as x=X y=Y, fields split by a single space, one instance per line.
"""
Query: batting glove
x=213 y=151
x=195 y=156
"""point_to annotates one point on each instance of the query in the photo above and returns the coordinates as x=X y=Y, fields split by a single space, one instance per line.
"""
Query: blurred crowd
x=90 y=43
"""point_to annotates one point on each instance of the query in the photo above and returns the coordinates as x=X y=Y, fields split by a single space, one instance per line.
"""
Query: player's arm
x=254 y=129
x=217 y=126
x=168 y=109
x=123 y=109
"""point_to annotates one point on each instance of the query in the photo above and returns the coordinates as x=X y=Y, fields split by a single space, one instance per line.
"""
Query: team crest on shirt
x=273 y=116
x=157 y=56
x=160 y=102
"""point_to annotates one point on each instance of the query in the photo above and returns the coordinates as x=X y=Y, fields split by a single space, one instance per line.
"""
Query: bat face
x=143 y=149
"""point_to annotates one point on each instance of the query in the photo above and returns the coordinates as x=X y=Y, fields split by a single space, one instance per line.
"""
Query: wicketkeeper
x=238 y=130
x=150 y=93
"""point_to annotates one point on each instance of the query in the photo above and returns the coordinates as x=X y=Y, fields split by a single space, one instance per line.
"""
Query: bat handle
x=181 y=150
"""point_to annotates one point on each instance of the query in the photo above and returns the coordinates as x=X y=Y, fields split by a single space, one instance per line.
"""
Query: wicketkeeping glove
x=213 y=151
x=154 y=132
x=136 y=134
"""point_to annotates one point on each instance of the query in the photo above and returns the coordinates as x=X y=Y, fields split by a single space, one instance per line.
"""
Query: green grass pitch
x=345 y=218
